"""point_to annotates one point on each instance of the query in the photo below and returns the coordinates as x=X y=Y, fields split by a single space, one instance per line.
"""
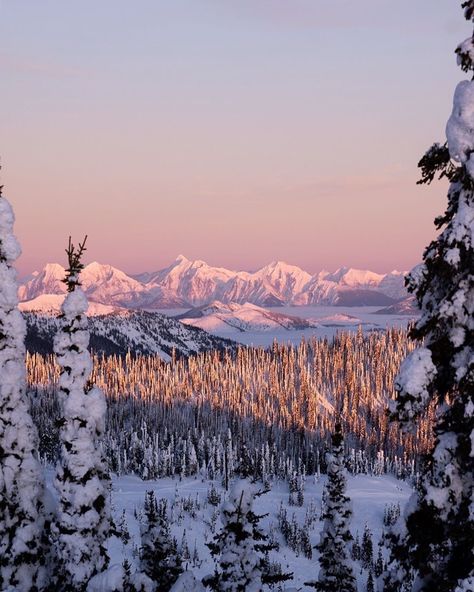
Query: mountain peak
x=195 y=283
x=95 y=265
x=52 y=269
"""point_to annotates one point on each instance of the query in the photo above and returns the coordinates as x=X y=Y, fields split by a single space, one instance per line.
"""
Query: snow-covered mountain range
x=187 y=283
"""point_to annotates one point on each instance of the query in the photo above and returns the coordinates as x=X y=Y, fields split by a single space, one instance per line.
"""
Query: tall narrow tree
x=241 y=548
x=22 y=520
x=335 y=573
x=159 y=556
x=82 y=478
x=439 y=539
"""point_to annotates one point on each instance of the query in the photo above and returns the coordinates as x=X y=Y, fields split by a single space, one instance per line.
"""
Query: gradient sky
x=234 y=131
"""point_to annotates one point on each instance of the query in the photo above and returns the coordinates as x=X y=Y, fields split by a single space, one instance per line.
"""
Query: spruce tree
x=370 y=582
x=367 y=549
x=379 y=565
x=159 y=556
x=335 y=574
x=355 y=549
x=241 y=548
x=438 y=542
x=22 y=517
x=82 y=480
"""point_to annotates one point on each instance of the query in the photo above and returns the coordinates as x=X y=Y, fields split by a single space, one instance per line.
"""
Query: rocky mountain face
x=186 y=283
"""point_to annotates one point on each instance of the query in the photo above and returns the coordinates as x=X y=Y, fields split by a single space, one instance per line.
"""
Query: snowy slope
x=192 y=281
x=47 y=281
x=135 y=331
x=51 y=303
x=228 y=318
x=187 y=283
x=408 y=307
x=107 y=284
x=353 y=287
x=192 y=517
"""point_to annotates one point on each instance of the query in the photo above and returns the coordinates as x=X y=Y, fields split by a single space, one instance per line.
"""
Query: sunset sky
x=234 y=131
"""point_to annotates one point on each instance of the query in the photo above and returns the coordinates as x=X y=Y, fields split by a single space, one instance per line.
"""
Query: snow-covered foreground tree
x=335 y=574
x=437 y=544
x=159 y=555
x=22 y=520
x=82 y=479
x=241 y=548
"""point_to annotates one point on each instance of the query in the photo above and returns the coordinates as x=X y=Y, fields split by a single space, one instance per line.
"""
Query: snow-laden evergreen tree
x=439 y=541
x=82 y=480
x=120 y=578
x=370 y=582
x=22 y=513
x=187 y=582
x=241 y=548
x=367 y=549
x=159 y=555
x=335 y=574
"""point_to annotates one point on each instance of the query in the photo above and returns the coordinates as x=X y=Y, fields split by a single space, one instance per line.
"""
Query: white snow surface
x=51 y=304
x=369 y=496
x=460 y=126
x=416 y=374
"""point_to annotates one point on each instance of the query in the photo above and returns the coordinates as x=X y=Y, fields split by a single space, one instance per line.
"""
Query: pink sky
x=238 y=135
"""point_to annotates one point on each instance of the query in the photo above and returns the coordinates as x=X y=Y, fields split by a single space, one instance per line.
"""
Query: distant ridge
x=186 y=283
x=137 y=332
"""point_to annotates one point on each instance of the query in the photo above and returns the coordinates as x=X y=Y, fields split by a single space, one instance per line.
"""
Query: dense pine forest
x=254 y=412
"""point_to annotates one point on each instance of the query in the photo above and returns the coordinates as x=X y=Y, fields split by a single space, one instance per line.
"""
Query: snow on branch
x=413 y=383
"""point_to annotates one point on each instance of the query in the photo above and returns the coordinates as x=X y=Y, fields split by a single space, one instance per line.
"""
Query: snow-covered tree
x=370 y=582
x=439 y=539
x=159 y=555
x=120 y=578
x=367 y=548
x=82 y=479
x=22 y=515
x=335 y=574
x=241 y=548
x=187 y=582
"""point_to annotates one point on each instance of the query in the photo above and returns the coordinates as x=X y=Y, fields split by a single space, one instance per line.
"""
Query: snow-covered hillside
x=222 y=318
x=407 y=306
x=187 y=283
x=51 y=304
x=136 y=331
x=194 y=519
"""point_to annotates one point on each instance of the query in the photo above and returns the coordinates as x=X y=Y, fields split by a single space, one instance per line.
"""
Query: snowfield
x=192 y=516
